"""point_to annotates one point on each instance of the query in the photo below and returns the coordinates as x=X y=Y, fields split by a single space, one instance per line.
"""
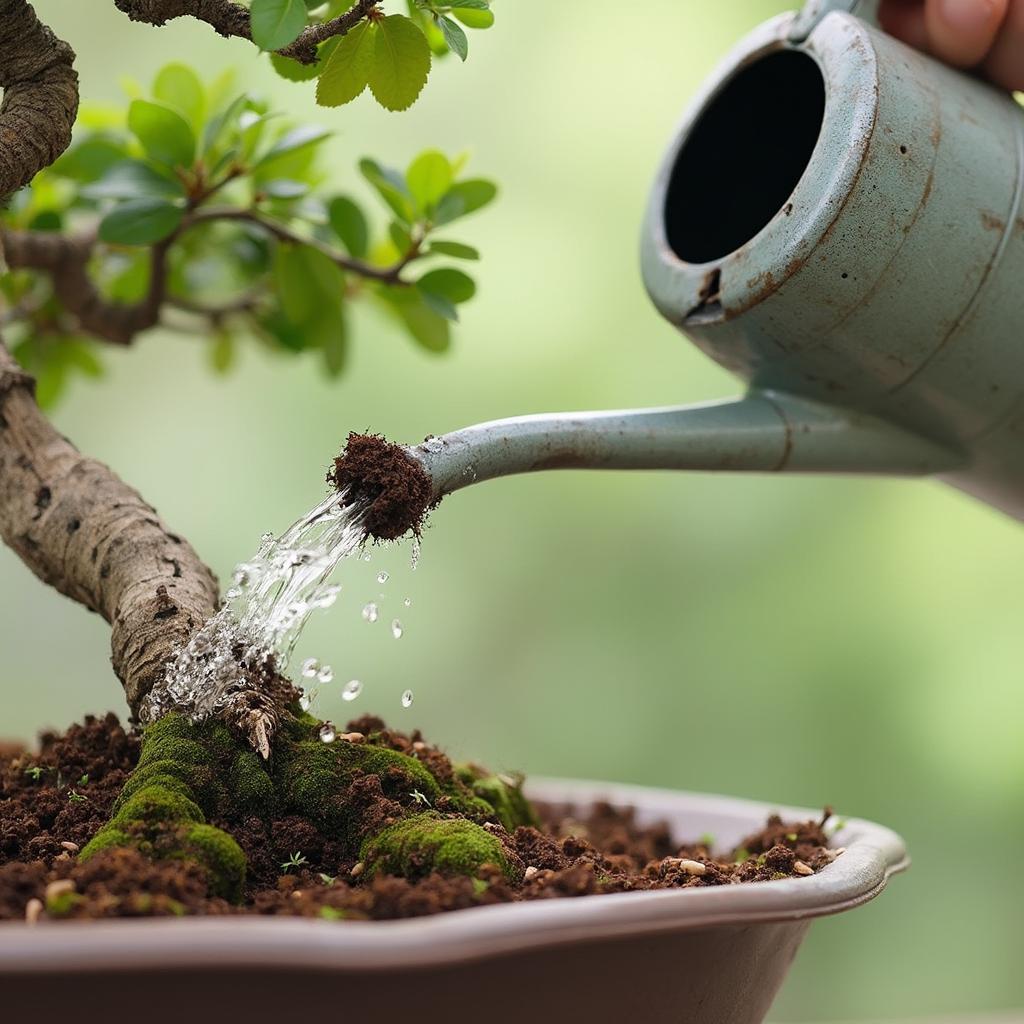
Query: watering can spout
x=762 y=432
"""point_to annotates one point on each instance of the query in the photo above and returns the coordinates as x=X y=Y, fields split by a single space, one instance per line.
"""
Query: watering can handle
x=814 y=10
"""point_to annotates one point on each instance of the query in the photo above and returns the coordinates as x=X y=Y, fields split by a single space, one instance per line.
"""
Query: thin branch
x=40 y=95
x=231 y=19
x=82 y=530
x=386 y=275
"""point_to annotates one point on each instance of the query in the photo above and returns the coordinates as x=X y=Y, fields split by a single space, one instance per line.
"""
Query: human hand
x=983 y=34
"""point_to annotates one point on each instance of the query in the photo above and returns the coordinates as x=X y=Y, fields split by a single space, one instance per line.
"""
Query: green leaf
x=349 y=224
x=427 y=327
x=297 y=138
x=474 y=17
x=276 y=23
x=336 y=347
x=133 y=179
x=440 y=305
x=400 y=237
x=284 y=188
x=392 y=188
x=401 y=62
x=219 y=126
x=470 y=5
x=90 y=159
x=347 y=70
x=308 y=282
x=178 y=86
x=465 y=197
x=448 y=283
x=165 y=135
x=222 y=352
x=456 y=249
x=292 y=70
x=454 y=37
x=140 y=222
x=429 y=177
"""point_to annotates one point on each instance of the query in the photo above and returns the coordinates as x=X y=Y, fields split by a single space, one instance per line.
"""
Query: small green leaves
x=134 y=179
x=429 y=178
x=392 y=188
x=464 y=198
x=165 y=135
x=346 y=72
x=442 y=290
x=276 y=23
x=349 y=224
x=454 y=37
x=140 y=222
x=454 y=249
x=401 y=62
x=178 y=86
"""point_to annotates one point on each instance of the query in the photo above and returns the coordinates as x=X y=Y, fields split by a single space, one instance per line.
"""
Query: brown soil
x=53 y=801
x=382 y=473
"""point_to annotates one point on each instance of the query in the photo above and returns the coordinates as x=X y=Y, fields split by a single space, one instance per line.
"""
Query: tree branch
x=82 y=530
x=232 y=19
x=40 y=95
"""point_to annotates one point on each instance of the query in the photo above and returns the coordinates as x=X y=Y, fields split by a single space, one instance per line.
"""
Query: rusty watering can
x=839 y=222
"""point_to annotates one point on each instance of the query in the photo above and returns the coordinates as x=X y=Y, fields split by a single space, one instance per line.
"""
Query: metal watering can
x=839 y=222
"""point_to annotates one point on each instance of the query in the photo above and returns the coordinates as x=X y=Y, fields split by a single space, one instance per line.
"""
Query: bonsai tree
x=195 y=208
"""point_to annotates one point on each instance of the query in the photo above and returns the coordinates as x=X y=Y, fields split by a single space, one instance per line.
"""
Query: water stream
x=269 y=602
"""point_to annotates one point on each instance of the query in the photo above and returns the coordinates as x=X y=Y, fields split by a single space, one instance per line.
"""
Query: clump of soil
x=54 y=801
x=396 y=486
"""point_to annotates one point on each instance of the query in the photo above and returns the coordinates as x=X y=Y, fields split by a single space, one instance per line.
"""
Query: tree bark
x=40 y=95
x=84 y=531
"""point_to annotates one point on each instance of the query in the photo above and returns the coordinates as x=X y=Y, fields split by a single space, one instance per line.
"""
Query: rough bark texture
x=81 y=529
x=65 y=258
x=40 y=95
x=231 y=19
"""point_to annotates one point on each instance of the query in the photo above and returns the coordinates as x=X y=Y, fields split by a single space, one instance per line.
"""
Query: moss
x=220 y=855
x=508 y=801
x=63 y=903
x=422 y=843
x=251 y=788
x=107 y=837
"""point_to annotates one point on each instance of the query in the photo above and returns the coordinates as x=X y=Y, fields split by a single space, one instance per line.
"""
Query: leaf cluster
x=230 y=206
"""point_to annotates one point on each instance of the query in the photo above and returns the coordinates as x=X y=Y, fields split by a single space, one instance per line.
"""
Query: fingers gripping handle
x=814 y=10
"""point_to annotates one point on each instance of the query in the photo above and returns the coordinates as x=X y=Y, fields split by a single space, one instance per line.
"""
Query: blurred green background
x=794 y=640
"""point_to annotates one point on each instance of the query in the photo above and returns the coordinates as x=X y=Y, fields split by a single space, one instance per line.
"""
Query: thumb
x=961 y=32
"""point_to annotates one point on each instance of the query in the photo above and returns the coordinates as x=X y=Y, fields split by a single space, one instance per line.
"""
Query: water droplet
x=396 y=629
x=407 y=699
x=415 y=559
x=383 y=577
x=233 y=594
x=328 y=734
x=310 y=667
x=352 y=690
x=325 y=675
x=305 y=702
x=370 y=612
x=325 y=596
x=366 y=557
x=407 y=602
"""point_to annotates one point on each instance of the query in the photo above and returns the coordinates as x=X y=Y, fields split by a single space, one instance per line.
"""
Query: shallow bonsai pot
x=708 y=955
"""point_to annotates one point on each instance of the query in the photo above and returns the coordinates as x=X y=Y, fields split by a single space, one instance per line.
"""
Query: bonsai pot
x=709 y=955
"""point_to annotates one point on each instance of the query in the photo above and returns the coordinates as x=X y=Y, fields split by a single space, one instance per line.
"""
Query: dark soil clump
x=54 y=801
x=397 y=488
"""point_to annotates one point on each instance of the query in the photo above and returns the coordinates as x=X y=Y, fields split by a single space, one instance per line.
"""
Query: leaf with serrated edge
x=347 y=70
x=401 y=63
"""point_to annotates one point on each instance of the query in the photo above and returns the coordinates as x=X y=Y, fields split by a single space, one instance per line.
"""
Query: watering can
x=838 y=221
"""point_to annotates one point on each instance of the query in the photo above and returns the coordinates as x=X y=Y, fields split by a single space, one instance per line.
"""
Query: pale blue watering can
x=839 y=222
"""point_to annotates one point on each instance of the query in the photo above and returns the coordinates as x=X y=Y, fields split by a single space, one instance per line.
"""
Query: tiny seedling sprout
x=296 y=860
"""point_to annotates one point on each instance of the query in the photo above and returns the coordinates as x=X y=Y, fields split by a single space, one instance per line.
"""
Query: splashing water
x=272 y=596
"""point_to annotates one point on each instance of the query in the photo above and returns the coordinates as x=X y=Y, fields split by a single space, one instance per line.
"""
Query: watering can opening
x=744 y=156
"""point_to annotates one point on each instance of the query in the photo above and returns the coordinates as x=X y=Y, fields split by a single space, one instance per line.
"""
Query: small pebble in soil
x=370 y=612
x=407 y=699
x=352 y=690
x=310 y=667
x=396 y=629
x=328 y=734
x=800 y=868
x=33 y=911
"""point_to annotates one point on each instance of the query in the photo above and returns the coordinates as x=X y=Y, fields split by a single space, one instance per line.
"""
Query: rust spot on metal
x=709 y=297
x=991 y=222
